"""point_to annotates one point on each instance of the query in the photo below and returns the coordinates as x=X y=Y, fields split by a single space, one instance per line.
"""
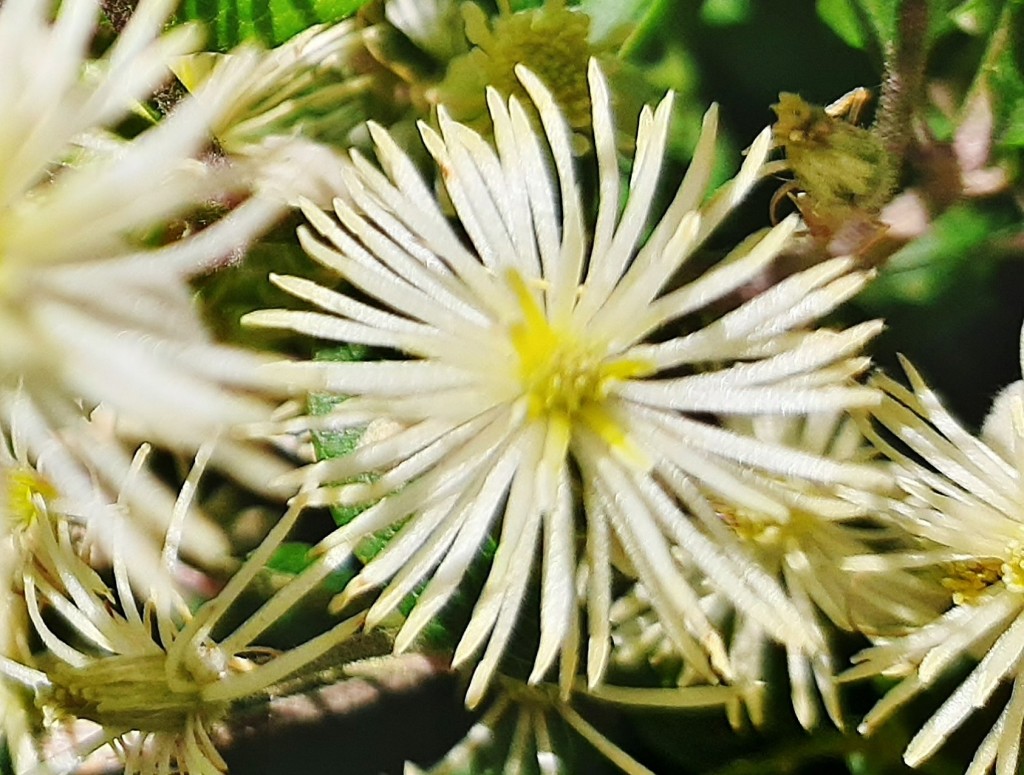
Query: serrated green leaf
x=271 y=22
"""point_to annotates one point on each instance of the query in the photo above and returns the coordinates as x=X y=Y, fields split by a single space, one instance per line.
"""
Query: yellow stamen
x=23 y=484
x=1012 y=570
x=969 y=580
x=567 y=380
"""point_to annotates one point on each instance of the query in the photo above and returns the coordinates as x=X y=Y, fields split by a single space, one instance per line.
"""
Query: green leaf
x=1013 y=134
x=293 y=557
x=725 y=13
x=882 y=16
x=976 y=17
x=1002 y=73
x=331 y=444
x=271 y=22
x=609 y=18
x=842 y=17
x=864 y=23
x=935 y=263
x=859 y=22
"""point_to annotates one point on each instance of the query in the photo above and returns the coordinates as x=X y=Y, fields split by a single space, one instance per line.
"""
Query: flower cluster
x=576 y=444
x=152 y=682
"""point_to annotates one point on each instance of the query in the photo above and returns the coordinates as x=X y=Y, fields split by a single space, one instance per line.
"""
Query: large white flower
x=557 y=386
x=964 y=496
x=88 y=314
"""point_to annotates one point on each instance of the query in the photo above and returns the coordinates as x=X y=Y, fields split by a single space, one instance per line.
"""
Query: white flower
x=964 y=497
x=273 y=121
x=40 y=473
x=804 y=553
x=556 y=387
x=150 y=677
x=88 y=314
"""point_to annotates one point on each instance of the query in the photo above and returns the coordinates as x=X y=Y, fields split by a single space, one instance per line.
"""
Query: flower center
x=751 y=527
x=564 y=379
x=968 y=580
x=129 y=692
x=21 y=486
x=1012 y=570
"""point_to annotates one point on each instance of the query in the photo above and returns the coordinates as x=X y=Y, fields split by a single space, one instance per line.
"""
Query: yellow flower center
x=565 y=380
x=22 y=485
x=749 y=527
x=969 y=580
x=1012 y=570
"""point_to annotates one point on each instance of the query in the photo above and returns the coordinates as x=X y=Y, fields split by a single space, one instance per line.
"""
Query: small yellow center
x=767 y=537
x=566 y=380
x=1012 y=570
x=969 y=580
x=22 y=485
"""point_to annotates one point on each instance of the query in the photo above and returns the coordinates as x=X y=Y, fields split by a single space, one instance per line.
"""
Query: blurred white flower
x=146 y=673
x=964 y=497
x=556 y=387
x=277 y=121
x=88 y=313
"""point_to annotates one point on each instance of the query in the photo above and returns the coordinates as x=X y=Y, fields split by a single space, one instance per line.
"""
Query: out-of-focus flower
x=83 y=476
x=146 y=673
x=556 y=386
x=459 y=50
x=282 y=117
x=19 y=486
x=552 y=41
x=964 y=496
x=804 y=551
x=90 y=314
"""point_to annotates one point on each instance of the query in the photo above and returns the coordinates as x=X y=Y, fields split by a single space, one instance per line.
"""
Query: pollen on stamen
x=1012 y=569
x=22 y=486
x=969 y=580
x=563 y=377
